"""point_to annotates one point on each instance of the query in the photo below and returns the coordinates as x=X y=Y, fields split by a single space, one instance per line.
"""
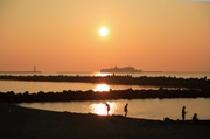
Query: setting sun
x=103 y=31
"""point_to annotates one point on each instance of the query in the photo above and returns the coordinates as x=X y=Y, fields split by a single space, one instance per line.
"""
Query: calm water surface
x=139 y=108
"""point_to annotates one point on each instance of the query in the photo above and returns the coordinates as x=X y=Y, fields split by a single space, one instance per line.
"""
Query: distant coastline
x=20 y=72
x=121 y=70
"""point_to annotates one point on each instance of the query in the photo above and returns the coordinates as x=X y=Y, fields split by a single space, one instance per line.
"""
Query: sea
x=137 y=108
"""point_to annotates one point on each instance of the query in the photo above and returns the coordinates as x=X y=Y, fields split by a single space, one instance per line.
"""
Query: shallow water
x=138 y=108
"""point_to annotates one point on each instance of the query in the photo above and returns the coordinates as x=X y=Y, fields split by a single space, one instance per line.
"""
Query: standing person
x=126 y=109
x=195 y=117
x=184 y=112
x=107 y=108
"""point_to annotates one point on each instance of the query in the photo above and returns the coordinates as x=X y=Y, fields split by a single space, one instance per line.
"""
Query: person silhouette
x=107 y=108
x=184 y=112
x=195 y=117
x=126 y=109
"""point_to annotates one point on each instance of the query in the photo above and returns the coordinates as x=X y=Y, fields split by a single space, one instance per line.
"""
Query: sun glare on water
x=100 y=108
x=102 y=87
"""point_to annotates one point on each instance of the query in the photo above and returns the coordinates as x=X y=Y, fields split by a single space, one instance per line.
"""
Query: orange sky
x=61 y=35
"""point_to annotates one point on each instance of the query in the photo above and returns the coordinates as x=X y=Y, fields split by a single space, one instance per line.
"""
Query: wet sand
x=22 y=123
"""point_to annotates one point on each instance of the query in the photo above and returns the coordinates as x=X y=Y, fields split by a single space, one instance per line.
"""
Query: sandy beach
x=24 y=123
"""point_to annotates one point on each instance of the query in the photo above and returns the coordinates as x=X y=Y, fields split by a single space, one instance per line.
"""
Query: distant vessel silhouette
x=121 y=70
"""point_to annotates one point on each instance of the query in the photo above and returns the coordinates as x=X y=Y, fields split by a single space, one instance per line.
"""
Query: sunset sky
x=62 y=35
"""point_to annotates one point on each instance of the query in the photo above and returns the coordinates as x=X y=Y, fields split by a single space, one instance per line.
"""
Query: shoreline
x=21 y=123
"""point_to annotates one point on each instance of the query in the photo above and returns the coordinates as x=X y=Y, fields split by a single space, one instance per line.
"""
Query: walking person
x=126 y=109
x=184 y=112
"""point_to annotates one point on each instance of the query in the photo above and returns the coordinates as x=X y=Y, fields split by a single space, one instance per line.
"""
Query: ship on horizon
x=121 y=70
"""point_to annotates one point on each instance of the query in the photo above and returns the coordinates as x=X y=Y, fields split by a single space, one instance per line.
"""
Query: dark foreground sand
x=21 y=123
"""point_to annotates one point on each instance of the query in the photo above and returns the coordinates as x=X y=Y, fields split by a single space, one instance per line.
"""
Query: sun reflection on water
x=100 y=74
x=102 y=87
x=100 y=108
